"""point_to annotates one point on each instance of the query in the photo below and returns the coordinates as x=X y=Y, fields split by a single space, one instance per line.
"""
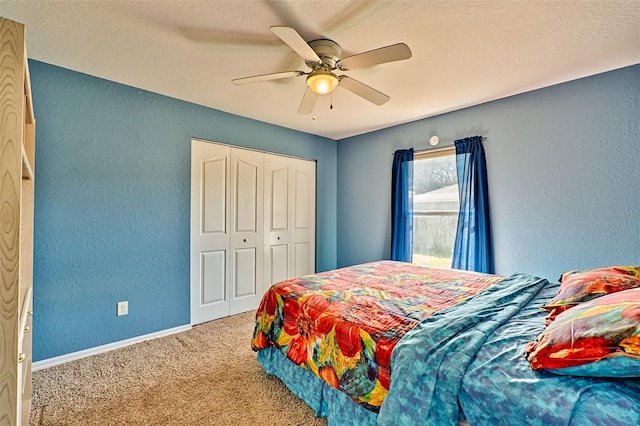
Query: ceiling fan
x=323 y=56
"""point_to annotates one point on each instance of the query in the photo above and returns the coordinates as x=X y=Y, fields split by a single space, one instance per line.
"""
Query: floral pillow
x=599 y=338
x=625 y=270
x=581 y=286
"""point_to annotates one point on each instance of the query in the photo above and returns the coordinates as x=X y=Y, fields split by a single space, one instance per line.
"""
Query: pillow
x=624 y=270
x=599 y=338
x=581 y=286
x=553 y=313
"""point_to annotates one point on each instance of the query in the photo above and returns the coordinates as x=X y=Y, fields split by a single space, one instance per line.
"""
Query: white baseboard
x=50 y=362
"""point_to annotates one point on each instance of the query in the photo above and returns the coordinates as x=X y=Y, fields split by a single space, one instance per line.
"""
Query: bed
x=393 y=343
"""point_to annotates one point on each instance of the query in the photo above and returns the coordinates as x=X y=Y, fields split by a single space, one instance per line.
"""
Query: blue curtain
x=473 y=249
x=402 y=206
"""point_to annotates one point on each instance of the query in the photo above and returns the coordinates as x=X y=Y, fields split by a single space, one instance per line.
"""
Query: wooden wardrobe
x=17 y=155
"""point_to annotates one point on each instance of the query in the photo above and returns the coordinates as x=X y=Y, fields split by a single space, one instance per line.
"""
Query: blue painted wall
x=112 y=205
x=113 y=183
x=563 y=176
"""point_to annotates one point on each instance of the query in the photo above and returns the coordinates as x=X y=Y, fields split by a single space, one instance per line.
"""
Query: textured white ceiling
x=464 y=52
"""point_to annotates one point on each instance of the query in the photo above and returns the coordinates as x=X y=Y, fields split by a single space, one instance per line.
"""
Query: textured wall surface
x=113 y=199
x=562 y=168
x=112 y=192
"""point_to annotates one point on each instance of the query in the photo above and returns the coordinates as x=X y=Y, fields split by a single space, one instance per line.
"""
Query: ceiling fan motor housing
x=327 y=50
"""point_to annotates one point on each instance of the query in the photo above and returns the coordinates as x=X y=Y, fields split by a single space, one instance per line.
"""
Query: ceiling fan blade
x=266 y=77
x=395 y=52
x=308 y=102
x=296 y=42
x=362 y=90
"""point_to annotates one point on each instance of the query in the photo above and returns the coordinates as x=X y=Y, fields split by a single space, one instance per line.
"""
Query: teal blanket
x=429 y=363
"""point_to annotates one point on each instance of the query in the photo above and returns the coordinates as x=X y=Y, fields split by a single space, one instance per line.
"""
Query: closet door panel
x=247 y=236
x=302 y=207
x=301 y=260
x=277 y=197
x=214 y=187
x=246 y=208
x=303 y=231
x=210 y=209
x=214 y=272
x=245 y=273
x=278 y=264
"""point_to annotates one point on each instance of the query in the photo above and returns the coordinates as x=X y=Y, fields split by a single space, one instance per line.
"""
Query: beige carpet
x=205 y=376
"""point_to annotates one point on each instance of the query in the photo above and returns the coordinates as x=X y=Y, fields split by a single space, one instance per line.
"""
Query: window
x=435 y=207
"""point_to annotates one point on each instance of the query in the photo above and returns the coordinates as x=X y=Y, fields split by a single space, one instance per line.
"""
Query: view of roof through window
x=435 y=210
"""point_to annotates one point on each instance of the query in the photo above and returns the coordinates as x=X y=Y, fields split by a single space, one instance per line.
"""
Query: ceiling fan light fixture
x=322 y=83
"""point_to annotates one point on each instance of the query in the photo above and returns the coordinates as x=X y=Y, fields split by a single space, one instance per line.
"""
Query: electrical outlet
x=123 y=309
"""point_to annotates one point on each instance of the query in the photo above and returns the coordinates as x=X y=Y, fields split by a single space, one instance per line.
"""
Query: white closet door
x=247 y=236
x=252 y=225
x=290 y=194
x=303 y=224
x=210 y=208
x=277 y=219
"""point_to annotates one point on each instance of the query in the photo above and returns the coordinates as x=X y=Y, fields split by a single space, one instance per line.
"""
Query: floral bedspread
x=342 y=325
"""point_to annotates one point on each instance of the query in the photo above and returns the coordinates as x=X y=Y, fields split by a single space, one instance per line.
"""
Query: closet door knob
x=244 y=240
x=278 y=237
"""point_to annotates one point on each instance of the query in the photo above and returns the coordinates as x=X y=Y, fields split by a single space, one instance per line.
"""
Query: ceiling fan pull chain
x=331 y=104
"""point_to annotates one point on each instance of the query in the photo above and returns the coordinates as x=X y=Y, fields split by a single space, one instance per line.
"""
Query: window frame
x=428 y=155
